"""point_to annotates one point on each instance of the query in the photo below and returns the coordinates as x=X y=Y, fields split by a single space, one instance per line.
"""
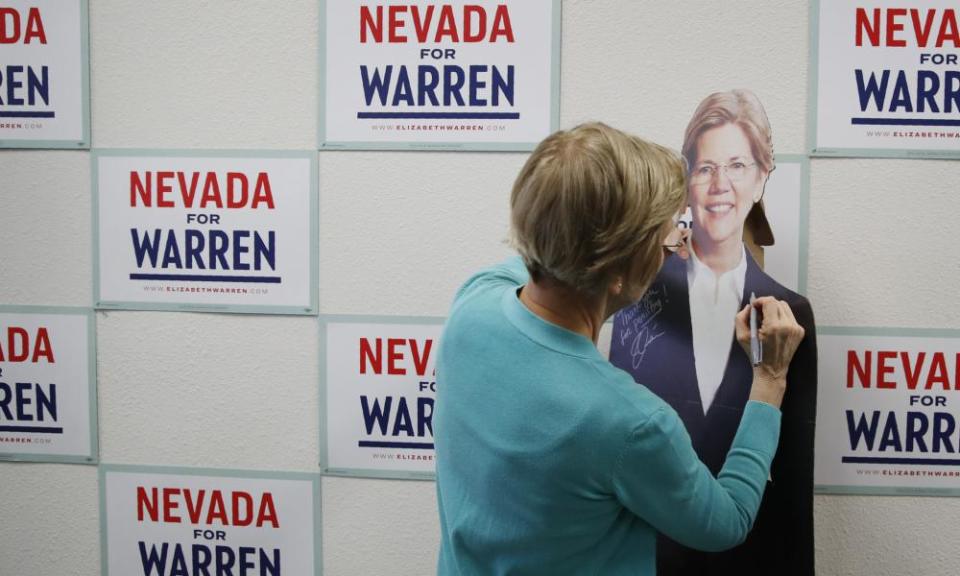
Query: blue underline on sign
x=34 y=429
x=904 y=122
x=442 y=115
x=378 y=444
x=27 y=114
x=911 y=461
x=197 y=278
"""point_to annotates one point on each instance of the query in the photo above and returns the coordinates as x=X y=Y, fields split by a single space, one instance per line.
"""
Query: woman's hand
x=780 y=335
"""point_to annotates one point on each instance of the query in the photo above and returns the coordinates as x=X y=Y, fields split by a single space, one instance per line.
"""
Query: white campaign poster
x=887 y=412
x=43 y=93
x=160 y=521
x=887 y=78
x=785 y=203
x=206 y=232
x=380 y=390
x=47 y=385
x=420 y=73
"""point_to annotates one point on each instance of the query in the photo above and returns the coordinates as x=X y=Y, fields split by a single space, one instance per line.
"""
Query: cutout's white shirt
x=714 y=303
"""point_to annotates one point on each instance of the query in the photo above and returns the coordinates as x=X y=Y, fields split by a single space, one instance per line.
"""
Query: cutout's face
x=723 y=185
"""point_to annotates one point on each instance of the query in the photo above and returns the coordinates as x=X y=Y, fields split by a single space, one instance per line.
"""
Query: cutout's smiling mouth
x=722 y=208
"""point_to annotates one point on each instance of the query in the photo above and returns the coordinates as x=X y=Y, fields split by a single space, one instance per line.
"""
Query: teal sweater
x=551 y=461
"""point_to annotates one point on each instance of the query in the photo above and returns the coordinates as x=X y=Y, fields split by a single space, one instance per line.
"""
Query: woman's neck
x=565 y=307
x=719 y=257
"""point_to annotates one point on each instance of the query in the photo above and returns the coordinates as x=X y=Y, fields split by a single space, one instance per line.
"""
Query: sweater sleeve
x=660 y=479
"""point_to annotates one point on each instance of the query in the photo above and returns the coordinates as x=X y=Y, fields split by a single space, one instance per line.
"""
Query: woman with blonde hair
x=549 y=459
x=688 y=315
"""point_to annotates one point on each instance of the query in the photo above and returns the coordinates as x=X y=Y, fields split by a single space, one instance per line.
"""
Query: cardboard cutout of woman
x=678 y=340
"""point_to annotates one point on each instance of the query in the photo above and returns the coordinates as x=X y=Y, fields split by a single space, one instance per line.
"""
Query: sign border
x=311 y=155
x=813 y=81
x=69 y=144
x=324 y=144
x=314 y=478
x=325 y=469
x=94 y=444
x=848 y=490
x=803 y=220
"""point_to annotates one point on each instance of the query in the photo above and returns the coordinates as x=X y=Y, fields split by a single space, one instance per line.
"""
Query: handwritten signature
x=640 y=325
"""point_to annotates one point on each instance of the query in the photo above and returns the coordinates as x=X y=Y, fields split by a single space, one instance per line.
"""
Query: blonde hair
x=739 y=107
x=592 y=201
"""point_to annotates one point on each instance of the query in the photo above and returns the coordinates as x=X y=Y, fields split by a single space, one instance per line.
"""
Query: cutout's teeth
x=720 y=208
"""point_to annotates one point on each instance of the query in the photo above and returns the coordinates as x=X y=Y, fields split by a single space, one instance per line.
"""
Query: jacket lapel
x=680 y=354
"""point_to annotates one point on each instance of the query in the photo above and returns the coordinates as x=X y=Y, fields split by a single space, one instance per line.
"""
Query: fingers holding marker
x=780 y=334
x=788 y=320
x=788 y=313
x=742 y=327
x=769 y=307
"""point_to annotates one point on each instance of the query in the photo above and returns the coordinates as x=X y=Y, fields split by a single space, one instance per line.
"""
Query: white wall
x=398 y=232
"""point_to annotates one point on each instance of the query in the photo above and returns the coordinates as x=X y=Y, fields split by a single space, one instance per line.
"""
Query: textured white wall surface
x=398 y=232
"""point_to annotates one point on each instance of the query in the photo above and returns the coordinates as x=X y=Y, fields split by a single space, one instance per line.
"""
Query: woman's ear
x=616 y=285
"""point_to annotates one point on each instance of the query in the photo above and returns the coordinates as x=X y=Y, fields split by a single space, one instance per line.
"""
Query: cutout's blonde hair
x=739 y=107
x=593 y=201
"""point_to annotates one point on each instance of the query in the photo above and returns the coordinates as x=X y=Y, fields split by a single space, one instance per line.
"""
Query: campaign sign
x=786 y=204
x=888 y=409
x=379 y=387
x=44 y=94
x=158 y=521
x=48 y=397
x=399 y=74
x=887 y=78
x=211 y=231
